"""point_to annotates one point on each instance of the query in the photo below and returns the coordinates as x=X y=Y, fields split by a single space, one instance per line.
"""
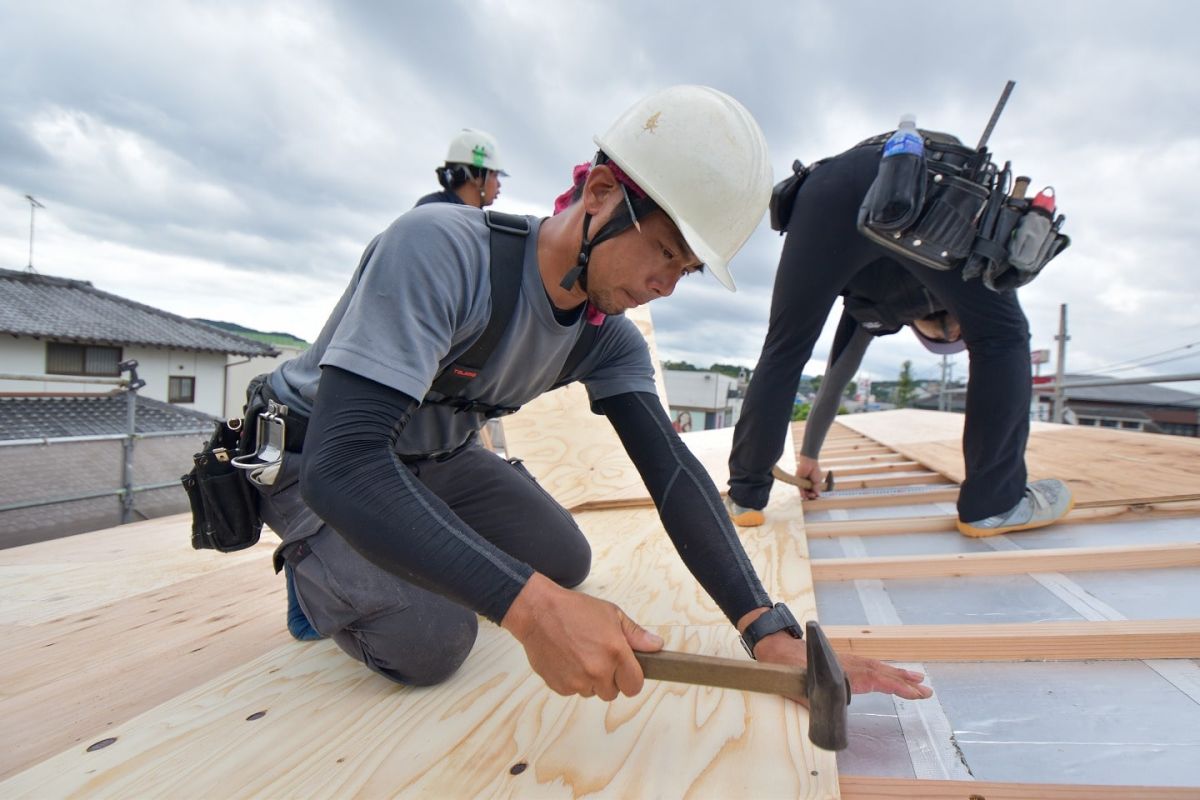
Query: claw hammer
x=780 y=474
x=823 y=684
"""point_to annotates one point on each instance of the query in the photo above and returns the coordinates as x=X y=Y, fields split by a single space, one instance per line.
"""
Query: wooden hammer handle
x=726 y=673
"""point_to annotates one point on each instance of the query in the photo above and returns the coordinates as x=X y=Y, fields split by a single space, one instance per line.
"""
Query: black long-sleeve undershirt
x=353 y=479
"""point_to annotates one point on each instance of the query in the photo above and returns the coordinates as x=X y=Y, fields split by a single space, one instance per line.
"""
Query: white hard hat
x=476 y=148
x=702 y=158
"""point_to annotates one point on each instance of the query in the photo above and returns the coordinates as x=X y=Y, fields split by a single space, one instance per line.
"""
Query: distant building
x=1137 y=407
x=240 y=370
x=62 y=437
x=62 y=327
x=702 y=401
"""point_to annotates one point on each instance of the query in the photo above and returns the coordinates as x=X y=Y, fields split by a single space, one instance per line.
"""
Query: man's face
x=634 y=268
x=491 y=187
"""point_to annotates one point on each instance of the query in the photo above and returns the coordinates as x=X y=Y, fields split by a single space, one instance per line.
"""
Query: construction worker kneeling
x=398 y=528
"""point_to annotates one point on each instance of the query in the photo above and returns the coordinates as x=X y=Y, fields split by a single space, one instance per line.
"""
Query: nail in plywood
x=1039 y=641
x=76 y=675
x=332 y=729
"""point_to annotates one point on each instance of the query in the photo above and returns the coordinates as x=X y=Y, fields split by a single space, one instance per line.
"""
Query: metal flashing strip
x=1183 y=674
x=926 y=729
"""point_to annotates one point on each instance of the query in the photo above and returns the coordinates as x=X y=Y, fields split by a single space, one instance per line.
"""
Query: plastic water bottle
x=899 y=188
x=906 y=140
x=1034 y=233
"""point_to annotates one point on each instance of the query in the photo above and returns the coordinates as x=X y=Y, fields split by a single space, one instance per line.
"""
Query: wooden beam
x=879 y=527
x=1083 y=513
x=1067 y=559
x=856 y=450
x=834 y=500
x=871 y=469
x=858 y=787
x=865 y=459
x=1138 y=501
x=1037 y=641
x=918 y=479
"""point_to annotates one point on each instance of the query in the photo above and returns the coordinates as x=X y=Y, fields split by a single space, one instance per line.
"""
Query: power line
x=1156 y=363
x=1119 y=365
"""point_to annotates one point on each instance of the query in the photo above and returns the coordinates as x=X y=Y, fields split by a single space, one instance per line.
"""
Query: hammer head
x=828 y=692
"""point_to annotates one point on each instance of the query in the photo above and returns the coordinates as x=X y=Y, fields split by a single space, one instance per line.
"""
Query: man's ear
x=600 y=191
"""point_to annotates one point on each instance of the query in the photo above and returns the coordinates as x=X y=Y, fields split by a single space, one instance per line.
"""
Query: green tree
x=851 y=389
x=906 y=386
x=679 y=365
x=732 y=370
x=800 y=412
x=815 y=383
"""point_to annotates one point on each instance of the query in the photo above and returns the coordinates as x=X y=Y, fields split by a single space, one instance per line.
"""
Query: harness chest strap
x=507 y=240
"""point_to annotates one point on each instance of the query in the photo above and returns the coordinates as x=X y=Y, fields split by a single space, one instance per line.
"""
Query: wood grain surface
x=1097 y=463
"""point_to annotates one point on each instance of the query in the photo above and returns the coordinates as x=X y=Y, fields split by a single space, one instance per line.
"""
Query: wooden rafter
x=855 y=787
x=1067 y=559
x=1040 y=641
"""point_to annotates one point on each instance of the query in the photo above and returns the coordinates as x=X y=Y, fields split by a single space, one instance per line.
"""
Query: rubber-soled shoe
x=1045 y=502
x=744 y=517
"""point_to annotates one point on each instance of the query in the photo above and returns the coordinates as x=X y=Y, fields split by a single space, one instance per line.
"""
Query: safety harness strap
x=507 y=242
x=587 y=337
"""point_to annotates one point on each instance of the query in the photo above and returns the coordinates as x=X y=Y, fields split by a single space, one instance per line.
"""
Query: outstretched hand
x=578 y=644
x=865 y=674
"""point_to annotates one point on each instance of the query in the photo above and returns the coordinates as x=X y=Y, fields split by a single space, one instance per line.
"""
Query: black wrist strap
x=779 y=618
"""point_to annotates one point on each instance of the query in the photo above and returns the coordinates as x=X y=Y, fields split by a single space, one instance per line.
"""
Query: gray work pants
x=403 y=632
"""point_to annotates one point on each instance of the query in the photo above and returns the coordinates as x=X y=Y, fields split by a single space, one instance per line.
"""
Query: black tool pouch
x=1013 y=273
x=953 y=196
x=224 y=505
x=783 y=196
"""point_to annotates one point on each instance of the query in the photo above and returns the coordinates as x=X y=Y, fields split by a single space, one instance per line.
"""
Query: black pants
x=403 y=632
x=822 y=252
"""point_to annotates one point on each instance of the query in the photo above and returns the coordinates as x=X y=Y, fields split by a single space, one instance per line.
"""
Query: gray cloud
x=272 y=140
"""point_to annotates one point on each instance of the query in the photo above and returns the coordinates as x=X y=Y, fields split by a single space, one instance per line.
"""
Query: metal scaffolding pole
x=1060 y=367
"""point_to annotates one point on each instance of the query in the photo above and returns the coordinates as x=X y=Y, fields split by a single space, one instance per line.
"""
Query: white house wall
x=155 y=366
x=239 y=372
x=27 y=356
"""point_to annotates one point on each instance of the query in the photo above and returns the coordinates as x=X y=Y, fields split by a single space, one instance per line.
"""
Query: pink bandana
x=579 y=175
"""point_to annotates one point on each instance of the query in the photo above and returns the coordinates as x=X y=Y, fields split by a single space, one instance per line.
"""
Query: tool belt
x=783 y=196
x=241 y=453
x=964 y=218
x=224 y=505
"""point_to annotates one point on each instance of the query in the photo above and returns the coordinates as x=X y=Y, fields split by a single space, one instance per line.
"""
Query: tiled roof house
x=58 y=327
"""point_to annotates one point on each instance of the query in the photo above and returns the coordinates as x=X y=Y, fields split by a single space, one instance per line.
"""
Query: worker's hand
x=865 y=674
x=809 y=469
x=577 y=643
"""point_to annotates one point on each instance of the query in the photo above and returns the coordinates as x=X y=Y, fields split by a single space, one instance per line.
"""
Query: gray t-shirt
x=420 y=298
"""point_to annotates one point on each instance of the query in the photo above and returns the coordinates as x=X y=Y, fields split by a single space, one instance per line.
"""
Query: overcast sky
x=230 y=160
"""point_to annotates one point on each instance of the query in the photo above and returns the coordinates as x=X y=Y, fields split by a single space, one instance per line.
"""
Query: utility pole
x=1060 y=368
x=33 y=206
x=943 y=404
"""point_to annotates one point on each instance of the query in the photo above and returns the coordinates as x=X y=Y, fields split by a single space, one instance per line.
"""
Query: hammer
x=780 y=474
x=824 y=683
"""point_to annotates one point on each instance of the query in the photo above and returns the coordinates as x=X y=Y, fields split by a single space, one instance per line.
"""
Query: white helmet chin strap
x=617 y=224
